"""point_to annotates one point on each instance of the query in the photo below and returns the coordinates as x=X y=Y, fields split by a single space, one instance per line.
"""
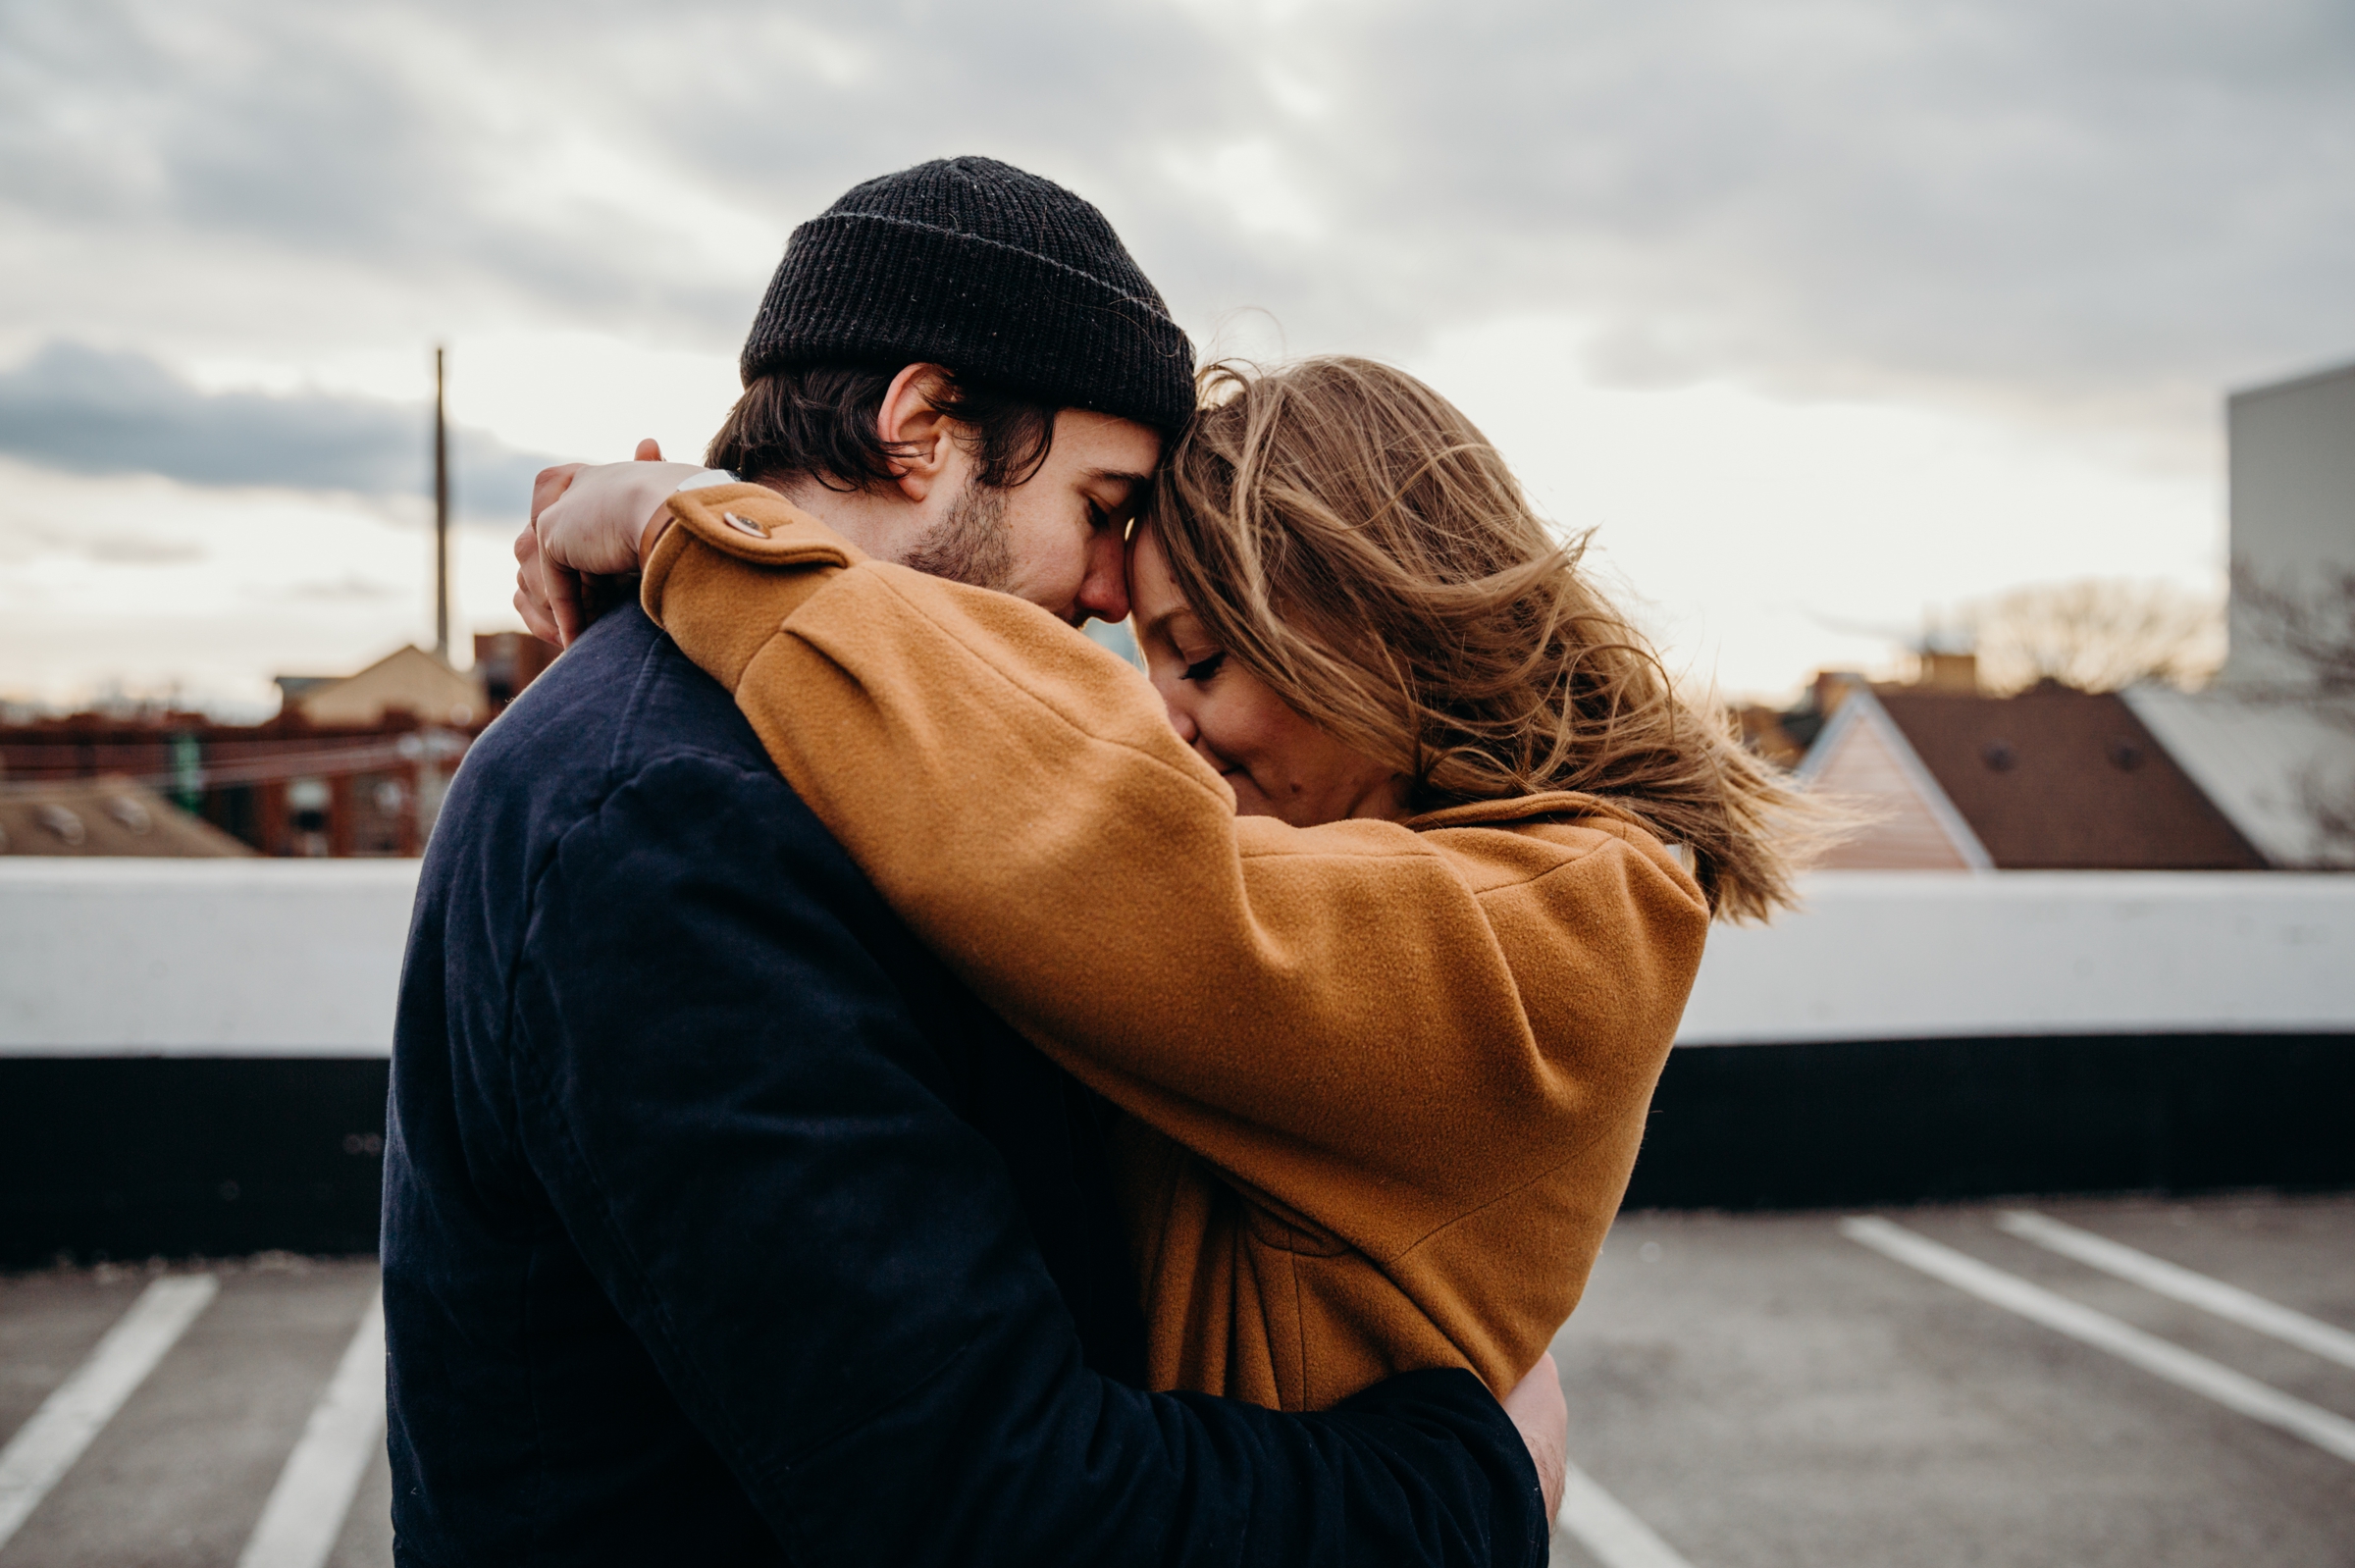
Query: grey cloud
x=2064 y=199
x=385 y=139
x=135 y=549
x=27 y=543
x=345 y=136
x=350 y=588
x=2039 y=199
x=89 y=411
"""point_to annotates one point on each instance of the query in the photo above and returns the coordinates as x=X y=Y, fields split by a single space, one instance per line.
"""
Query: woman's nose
x=1181 y=721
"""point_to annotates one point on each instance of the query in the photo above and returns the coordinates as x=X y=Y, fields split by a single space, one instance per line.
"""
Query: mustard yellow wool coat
x=1386 y=1081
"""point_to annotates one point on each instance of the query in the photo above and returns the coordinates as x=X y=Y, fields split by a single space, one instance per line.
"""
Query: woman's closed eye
x=1202 y=669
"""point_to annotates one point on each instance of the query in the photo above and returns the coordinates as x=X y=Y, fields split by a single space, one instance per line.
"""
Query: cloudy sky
x=1828 y=315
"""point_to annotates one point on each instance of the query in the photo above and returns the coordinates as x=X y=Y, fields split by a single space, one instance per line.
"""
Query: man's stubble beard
x=969 y=543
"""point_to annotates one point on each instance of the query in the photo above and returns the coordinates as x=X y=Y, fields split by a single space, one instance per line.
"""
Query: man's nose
x=1104 y=591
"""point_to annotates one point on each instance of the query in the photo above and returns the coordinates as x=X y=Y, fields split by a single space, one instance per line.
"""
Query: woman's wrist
x=660 y=518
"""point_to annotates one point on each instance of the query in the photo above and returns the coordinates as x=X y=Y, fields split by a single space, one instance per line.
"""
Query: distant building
x=1768 y=732
x=1862 y=760
x=105 y=816
x=2292 y=469
x=409 y=680
x=2257 y=771
x=505 y=662
x=283 y=787
x=2051 y=779
x=2271 y=742
x=351 y=766
x=2274 y=765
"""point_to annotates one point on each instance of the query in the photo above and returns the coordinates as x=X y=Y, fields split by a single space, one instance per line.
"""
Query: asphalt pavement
x=1755 y=1391
x=2129 y=1383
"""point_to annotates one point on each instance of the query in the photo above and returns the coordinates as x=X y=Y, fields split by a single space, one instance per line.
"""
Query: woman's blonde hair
x=1356 y=542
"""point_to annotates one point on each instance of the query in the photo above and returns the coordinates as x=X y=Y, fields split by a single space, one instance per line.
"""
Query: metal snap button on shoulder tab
x=744 y=525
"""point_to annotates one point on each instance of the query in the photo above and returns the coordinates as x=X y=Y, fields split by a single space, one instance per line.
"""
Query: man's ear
x=910 y=422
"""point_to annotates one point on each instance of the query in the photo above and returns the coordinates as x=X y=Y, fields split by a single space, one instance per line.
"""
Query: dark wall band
x=1854 y=1123
x=132 y=1157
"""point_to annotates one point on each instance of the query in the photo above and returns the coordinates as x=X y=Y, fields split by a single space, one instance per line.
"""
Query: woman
x=1364 y=912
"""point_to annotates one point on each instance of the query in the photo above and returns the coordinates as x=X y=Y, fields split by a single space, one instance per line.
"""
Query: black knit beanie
x=997 y=274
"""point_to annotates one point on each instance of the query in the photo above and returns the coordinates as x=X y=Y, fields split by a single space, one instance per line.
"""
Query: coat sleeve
x=1425 y=1020
x=730 y=1109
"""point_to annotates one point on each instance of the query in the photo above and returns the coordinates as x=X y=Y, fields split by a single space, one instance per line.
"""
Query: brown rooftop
x=2055 y=779
x=104 y=816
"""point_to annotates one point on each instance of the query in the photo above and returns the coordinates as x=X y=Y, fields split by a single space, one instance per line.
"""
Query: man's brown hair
x=823 y=422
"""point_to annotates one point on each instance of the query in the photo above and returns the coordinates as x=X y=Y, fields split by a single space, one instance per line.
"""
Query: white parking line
x=76 y=1410
x=2325 y=1431
x=2225 y=1301
x=306 y=1508
x=1616 y=1538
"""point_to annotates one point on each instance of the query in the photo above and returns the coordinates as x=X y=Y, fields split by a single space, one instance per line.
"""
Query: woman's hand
x=1538 y=1408
x=591 y=524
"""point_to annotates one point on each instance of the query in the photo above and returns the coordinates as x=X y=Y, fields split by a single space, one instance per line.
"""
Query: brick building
x=2049 y=779
x=351 y=766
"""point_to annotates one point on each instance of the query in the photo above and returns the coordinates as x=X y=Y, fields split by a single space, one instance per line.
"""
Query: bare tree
x=2329 y=805
x=2317 y=630
x=2097 y=634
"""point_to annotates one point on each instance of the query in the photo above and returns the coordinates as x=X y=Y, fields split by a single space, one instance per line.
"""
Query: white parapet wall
x=1930 y=955
x=201 y=958
x=303 y=958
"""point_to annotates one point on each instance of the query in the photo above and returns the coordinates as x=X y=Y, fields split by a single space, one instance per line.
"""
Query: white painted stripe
x=305 y=1512
x=76 y=1410
x=2226 y=1301
x=2331 y=1433
x=1598 y=1521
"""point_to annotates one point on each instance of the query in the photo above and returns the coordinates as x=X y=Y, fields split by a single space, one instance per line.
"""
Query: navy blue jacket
x=722 y=1226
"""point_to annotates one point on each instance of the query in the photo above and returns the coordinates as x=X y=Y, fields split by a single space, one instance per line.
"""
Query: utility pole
x=440 y=516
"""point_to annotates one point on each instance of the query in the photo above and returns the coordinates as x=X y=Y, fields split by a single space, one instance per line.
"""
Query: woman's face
x=1278 y=763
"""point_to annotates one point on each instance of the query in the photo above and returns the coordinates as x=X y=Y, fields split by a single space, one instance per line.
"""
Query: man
x=722 y=1225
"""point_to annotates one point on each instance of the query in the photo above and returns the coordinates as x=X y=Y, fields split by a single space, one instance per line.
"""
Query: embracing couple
x=879 y=1080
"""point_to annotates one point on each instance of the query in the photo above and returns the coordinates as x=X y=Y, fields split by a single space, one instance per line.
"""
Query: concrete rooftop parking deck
x=1768 y=1390
x=1952 y=1386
